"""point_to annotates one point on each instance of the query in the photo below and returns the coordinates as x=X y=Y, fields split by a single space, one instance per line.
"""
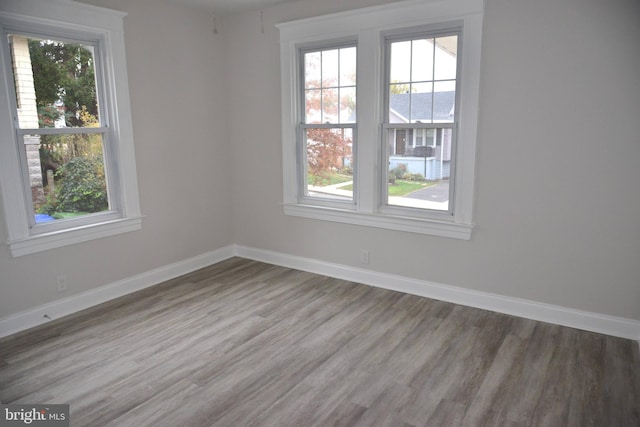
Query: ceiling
x=227 y=7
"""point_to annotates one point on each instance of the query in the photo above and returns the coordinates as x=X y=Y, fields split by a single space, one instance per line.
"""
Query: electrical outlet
x=364 y=256
x=61 y=283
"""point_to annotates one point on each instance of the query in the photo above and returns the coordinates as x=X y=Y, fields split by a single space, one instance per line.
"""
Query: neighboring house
x=423 y=151
x=27 y=110
x=28 y=118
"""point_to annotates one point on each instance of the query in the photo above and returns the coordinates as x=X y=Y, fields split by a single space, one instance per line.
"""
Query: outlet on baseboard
x=61 y=283
x=364 y=256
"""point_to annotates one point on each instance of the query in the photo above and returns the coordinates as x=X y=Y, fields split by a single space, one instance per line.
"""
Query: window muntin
x=327 y=137
x=60 y=127
x=420 y=121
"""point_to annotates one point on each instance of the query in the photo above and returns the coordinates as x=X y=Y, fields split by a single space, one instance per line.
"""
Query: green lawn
x=329 y=179
x=64 y=215
x=401 y=187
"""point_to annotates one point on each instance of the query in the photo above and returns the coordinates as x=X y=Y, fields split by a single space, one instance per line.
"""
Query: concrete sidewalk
x=434 y=197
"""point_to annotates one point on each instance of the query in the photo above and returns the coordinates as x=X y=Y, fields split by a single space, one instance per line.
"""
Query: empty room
x=320 y=212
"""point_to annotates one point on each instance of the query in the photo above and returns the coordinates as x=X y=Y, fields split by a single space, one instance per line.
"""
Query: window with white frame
x=417 y=84
x=327 y=141
x=68 y=172
x=420 y=77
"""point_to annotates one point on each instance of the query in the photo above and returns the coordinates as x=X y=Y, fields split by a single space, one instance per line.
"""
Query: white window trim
x=75 y=18
x=368 y=26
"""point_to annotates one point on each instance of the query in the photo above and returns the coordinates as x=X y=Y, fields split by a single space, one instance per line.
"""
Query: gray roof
x=419 y=104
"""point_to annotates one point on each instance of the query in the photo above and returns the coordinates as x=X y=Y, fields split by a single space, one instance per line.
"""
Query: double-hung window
x=328 y=130
x=66 y=145
x=420 y=100
x=416 y=75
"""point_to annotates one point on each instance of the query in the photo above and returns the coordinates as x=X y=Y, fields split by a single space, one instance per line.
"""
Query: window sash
x=445 y=30
x=302 y=165
x=302 y=89
x=110 y=174
x=389 y=209
x=447 y=125
x=61 y=131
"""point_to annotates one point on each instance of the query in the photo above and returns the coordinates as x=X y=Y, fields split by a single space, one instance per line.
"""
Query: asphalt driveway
x=435 y=193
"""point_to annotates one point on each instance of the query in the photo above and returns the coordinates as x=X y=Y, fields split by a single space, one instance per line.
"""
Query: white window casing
x=369 y=27
x=103 y=28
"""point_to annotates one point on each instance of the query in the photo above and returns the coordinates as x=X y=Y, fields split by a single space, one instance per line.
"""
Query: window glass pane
x=444 y=99
x=55 y=83
x=348 y=105
x=312 y=75
x=431 y=135
x=312 y=106
x=330 y=68
x=446 y=58
x=348 y=66
x=399 y=103
x=400 y=66
x=419 y=168
x=70 y=179
x=329 y=163
x=422 y=60
x=330 y=105
x=421 y=102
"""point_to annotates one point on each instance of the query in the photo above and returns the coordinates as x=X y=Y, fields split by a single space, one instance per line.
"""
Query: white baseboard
x=63 y=307
x=594 y=322
x=610 y=325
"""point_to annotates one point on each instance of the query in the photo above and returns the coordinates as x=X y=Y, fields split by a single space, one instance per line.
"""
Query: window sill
x=56 y=239
x=426 y=226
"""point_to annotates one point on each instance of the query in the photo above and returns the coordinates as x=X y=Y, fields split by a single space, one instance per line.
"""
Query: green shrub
x=80 y=187
x=413 y=177
x=49 y=207
x=399 y=171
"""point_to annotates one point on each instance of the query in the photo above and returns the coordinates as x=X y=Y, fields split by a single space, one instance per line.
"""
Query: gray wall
x=560 y=86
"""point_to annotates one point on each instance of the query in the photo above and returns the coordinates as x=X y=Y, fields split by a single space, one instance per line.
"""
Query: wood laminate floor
x=246 y=343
